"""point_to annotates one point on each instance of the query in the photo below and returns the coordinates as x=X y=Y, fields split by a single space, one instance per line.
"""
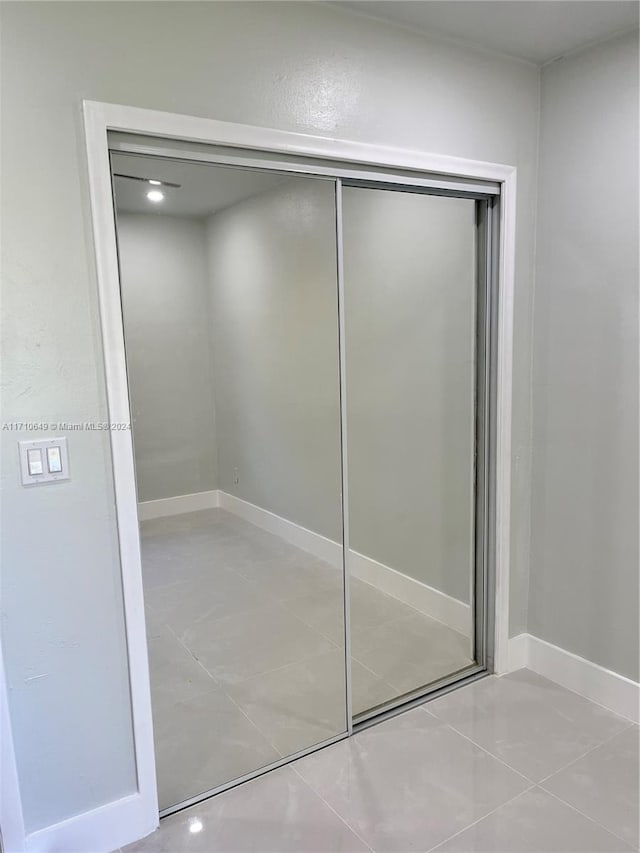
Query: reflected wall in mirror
x=230 y=314
x=410 y=331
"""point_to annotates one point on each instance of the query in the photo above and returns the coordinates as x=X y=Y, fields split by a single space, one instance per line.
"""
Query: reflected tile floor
x=246 y=649
x=461 y=773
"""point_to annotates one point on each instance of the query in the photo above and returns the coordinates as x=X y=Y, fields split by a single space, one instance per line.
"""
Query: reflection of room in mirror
x=410 y=335
x=230 y=315
x=230 y=309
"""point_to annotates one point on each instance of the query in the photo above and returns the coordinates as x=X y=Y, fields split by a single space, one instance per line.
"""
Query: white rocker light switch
x=43 y=461
x=34 y=460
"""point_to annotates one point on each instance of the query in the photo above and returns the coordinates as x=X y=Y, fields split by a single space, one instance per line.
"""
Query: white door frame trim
x=99 y=118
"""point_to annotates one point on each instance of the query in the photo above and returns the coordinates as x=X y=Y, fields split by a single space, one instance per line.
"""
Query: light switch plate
x=47 y=476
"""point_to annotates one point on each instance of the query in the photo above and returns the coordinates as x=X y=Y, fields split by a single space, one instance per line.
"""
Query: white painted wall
x=274 y=304
x=298 y=66
x=409 y=281
x=165 y=302
x=584 y=563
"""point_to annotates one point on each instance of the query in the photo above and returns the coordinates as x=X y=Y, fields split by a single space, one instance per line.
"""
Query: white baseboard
x=101 y=830
x=316 y=544
x=428 y=600
x=518 y=652
x=177 y=505
x=603 y=686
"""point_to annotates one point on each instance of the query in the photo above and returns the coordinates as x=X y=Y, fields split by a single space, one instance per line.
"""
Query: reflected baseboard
x=177 y=505
x=295 y=534
x=426 y=599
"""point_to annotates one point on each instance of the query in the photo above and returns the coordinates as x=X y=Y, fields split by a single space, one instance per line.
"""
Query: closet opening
x=310 y=362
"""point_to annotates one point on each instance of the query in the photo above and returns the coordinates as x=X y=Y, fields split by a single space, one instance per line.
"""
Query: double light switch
x=44 y=461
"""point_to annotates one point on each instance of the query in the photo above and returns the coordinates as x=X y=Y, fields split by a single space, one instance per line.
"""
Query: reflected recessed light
x=155 y=195
x=155 y=183
x=195 y=825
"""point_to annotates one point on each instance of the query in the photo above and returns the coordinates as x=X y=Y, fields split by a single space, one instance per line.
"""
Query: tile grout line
x=216 y=683
x=232 y=700
x=483 y=749
x=584 y=755
x=368 y=668
x=396 y=692
x=292 y=613
x=539 y=785
x=199 y=693
x=532 y=785
x=266 y=671
x=488 y=814
x=237 y=613
x=588 y=817
x=282 y=603
x=546 y=778
x=303 y=660
x=276 y=602
x=506 y=764
x=285 y=605
x=222 y=687
x=328 y=805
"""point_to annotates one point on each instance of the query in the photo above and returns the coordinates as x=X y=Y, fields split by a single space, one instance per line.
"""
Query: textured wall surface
x=584 y=562
x=297 y=66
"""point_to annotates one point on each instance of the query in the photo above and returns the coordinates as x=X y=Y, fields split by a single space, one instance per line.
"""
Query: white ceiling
x=204 y=189
x=535 y=30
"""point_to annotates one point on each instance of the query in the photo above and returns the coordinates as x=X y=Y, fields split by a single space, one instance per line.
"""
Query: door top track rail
x=359 y=174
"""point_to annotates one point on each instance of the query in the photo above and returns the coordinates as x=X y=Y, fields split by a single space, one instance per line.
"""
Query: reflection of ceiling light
x=195 y=825
x=155 y=195
x=152 y=181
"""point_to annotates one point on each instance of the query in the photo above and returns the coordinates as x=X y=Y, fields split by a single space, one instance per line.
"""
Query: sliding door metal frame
x=346 y=574
x=487 y=196
x=295 y=164
x=492 y=241
x=487 y=231
x=487 y=219
x=247 y=777
x=482 y=426
x=418 y=698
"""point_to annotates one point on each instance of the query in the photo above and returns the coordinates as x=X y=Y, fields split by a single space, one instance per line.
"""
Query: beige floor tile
x=604 y=785
x=410 y=782
x=530 y=723
x=535 y=822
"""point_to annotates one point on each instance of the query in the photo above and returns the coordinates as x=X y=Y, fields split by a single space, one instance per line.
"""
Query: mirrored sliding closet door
x=410 y=284
x=230 y=315
x=309 y=361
